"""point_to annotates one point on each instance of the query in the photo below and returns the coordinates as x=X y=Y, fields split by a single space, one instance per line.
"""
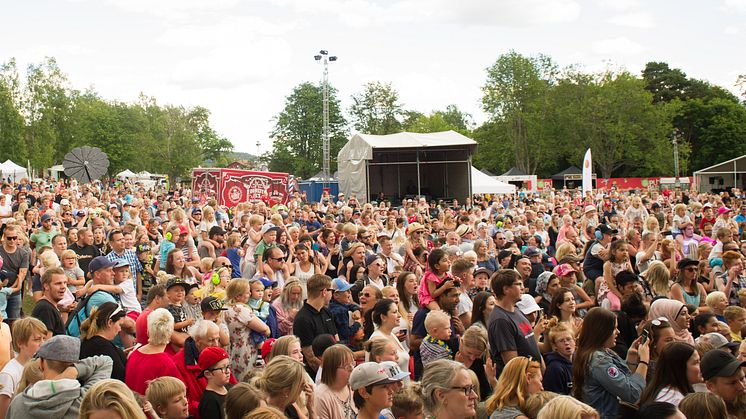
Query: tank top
x=691 y=299
x=303 y=276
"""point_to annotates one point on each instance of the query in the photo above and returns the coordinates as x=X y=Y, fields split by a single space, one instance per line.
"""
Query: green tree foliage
x=376 y=110
x=45 y=118
x=298 y=132
x=450 y=119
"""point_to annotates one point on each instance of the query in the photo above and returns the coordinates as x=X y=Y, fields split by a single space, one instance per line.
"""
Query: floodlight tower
x=324 y=57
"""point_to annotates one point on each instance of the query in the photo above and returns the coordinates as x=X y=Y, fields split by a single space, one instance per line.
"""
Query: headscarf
x=670 y=309
x=542 y=282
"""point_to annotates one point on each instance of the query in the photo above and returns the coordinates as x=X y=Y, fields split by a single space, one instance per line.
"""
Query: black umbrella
x=85 y=163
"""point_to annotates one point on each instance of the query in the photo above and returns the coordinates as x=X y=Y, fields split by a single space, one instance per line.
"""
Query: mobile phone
x=645 y=335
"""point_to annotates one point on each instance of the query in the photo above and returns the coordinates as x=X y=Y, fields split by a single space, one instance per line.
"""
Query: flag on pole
x=587 y=172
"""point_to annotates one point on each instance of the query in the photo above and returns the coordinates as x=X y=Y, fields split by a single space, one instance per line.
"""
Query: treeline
x=44 y=117
x=542 y=118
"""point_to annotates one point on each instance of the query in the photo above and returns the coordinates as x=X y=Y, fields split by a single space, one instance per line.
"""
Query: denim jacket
x=608 y=381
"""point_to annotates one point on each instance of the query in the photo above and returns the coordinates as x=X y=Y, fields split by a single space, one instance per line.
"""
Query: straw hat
x=414 y=227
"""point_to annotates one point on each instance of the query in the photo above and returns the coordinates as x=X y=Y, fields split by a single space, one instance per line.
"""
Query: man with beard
x=84 y=248
x=724 y=377
x=216 y=237
x=54 y=285
x=447 y=301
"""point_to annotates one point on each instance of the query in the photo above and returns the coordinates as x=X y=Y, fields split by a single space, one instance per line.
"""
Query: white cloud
x=617 y=46
x=732 y=30
x=641 y=20
x=174 y=9
x=738 y=5
x=618 y=5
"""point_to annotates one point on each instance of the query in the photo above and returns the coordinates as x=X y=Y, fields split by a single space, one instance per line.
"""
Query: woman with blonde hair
x=265 y=412
x=474 y=345
x=520 y=378
x=110 y=398
x=567 y=407
x=448 y=391
x=282 y=382
x=658 y=277
x=241 y=320
x=288 y=305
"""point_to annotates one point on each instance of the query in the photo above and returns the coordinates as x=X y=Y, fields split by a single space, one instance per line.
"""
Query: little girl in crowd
x=436 y=279
x=609 y=295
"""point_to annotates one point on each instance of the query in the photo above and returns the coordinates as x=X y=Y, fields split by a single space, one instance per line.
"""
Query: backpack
x=73 y=316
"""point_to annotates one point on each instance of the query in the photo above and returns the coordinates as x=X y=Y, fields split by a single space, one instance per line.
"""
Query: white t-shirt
x=9 y=377
x=669 y=395
x=402 y=352
x=465 y=304
x=128 y=297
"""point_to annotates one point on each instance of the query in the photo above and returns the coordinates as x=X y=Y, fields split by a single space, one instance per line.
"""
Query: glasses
x=330 y=289
x=280 y=259
x=466 y=389
x=348 y=367
x=11 y=238
x=225 y=370
x=691 y=269
x=364 y=294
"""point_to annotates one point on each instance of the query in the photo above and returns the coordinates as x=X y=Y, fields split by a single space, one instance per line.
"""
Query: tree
x=516 y=93
x=12 y=145
x=214 y=148
x=664 y=83
x=376 y=110
x=298 y=132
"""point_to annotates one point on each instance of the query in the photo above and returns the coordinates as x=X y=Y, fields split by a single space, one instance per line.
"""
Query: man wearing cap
x=510 y=333
x=212 y=310
x=598 y=252
x=724 y=376
x=65 y=381
x=119 y=253
x=101 y=271
x=54 y=285
x=15 y=262
x=314 y=318
x=214 y=243
x=368 y=378
x=84 y=248
x=204 y=335
x=43 y=236
x=343 y=309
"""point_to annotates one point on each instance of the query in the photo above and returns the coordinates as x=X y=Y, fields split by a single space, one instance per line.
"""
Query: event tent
x=435 y=165
x=126 y=174
x=722 y=176
x=485 y=184
x=12 y=170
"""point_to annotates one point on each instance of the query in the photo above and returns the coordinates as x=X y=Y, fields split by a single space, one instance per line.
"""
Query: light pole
x=675 y=141
x=324 y=57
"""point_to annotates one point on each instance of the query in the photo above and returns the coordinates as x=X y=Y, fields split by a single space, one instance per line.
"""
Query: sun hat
x=565 y=269
x=414 y=227
x=589 y=208
x=527 y=304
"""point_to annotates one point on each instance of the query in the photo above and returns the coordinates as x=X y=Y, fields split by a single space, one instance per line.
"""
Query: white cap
x=368 y=374
x=527 y=305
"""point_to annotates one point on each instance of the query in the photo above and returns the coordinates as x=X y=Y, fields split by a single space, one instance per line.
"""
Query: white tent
x=722 y=176
x=406 y=164
x=125 y=174
x=12 y=170
x=483 y=184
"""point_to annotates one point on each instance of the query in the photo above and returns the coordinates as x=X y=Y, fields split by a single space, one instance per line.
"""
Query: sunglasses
x=11 y=238
x=280 y=259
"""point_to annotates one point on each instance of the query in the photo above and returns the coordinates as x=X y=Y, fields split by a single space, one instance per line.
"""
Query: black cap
x=603 y=228
x=216 y=231
x=212 y=304
x=717 y=363
x=683 y=263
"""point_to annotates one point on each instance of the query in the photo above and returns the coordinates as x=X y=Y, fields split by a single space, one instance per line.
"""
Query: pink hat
x=564 y=269
x=723 y=210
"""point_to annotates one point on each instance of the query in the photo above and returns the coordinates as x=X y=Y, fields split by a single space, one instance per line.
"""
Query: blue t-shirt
x=4 y=293
x=166 y=246
x=98 y=298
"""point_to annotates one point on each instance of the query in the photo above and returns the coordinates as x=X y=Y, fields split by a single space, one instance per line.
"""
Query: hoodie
x=558 y=375
x=60 y=398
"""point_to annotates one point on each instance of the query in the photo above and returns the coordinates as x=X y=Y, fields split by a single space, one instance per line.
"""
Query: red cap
x=183 y=229
x=211 y=356
x=267 y=348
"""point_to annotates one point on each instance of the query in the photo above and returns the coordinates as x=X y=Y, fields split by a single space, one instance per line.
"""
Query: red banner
x=205 y=183
x=243 y=186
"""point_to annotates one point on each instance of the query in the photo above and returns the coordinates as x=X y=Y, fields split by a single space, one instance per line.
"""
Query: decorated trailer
x=233 y=186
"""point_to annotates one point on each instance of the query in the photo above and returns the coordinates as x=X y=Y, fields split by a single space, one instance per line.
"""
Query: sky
x=242 y=58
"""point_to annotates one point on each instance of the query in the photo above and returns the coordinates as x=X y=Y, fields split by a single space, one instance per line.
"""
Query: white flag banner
x=587 y=172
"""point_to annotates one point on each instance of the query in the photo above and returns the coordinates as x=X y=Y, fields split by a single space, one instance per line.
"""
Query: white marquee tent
x=12 y=170
x=484 y=184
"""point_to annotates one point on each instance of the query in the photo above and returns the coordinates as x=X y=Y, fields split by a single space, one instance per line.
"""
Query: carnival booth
x=435 y=165
x=233 y=186
x=570 y=178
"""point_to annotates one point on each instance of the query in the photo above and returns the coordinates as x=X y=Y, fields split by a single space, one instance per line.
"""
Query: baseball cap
x=565 y=269
x=179 y=282
x=371 y=258
x=266 y=228
x=531 y=252
x=195 y=199
x=707 y=205
x=61 y=348
x=267 y=348
x=121 y=263
x=45 y=217
x=211 y=303
x=183 y=230
x=216 y=231
x=527 y=304
x=683 y=263
x=267 y=282
x=100 y=262
x=481 y=270
x=369 y=373
x=79 y=212
x=209 y=357
x=603 y=228
x=393 y=370
x=718 y=341
x=339 y=284
x=719 y=363
x=64 y=201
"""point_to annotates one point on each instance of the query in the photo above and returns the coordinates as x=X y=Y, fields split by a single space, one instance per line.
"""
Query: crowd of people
x=119 y=301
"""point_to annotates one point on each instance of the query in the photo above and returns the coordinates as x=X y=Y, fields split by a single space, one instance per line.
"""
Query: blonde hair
x=375 y=348
x=436 y=318
x=703 y=406
x=265 y=412
x=565 y=249
x=113 y=395
x=282 y=373
x=162 y=389
x=24 y=329
x=512 y=384
x=713 y=298
x=285 y=296
x=30 y=375
x=68 y=253
x=160 y=326
x=387 y=290
x=475 y=337
x=537 y=401
x=407 y=401
x=236 y=288
x=49 y=259
x=566 y=407
x=555 y=328
x=206 y=264
x=733 y=312
x=438 y=375
x=256 y=219
x=282 y=345
x=658 y=277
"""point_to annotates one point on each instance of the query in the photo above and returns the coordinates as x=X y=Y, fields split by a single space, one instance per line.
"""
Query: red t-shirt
x=142 y=368
x=141 y=327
